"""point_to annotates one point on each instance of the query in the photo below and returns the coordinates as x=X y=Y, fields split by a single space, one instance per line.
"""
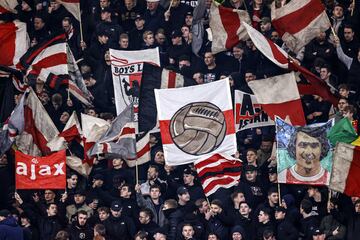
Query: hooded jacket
x=10 y=230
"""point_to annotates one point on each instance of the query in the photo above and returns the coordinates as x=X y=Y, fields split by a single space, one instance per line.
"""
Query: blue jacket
x=10 y=230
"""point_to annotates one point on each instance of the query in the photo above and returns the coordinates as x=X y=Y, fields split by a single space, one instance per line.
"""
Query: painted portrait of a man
x=304 y=157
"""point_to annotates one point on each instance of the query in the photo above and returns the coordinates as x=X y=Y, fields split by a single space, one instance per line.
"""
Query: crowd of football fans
x=168 y=202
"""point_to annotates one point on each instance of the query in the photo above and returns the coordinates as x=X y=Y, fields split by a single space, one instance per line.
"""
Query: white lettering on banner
x=22 y=169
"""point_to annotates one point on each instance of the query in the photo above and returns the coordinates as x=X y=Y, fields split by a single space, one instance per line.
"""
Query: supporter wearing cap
x=194 y=189
x=265 y=26
x=9 y=229
x=128 y=12
x=318 y=234
x=285 y=228
x=136 y=34
x=237 y=233
x=252 y=186
x=110 y=25
x=154 y=15
x=183 y=199
x=177 y=48
x=153 y=202
x=189 y=18
x=80 y=204
x=175 y=17
x=117 y=225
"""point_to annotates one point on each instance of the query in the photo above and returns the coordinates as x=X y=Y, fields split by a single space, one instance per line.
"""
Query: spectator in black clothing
x=100 y=232
x=128 y=12
x=187 y=232
x=175 y=16
x=178 y=48
x=162 y=44
x=237 y=233
x=285 y=229
x=264 y=223
x=211 y=71
x=95 y=54
x=318 y=48
x=329 y=78
x=136 y=34
x=109 y=25
x=195 y=190
x=353 y=223
x=148 y=40
x=73 y=37
x=40 y=31
x=30 y=231
x=349 y=44
x=119 y=226
x=80 y=228
x=154 y=15
x=146 y=222
x=309 y=222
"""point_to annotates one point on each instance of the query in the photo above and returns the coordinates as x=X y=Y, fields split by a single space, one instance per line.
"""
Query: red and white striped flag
x=218 y=171
x=142 y=151
x=280 y=96
x=272 y=51
x=93 y=128
x=346 y=170
x=196 y=122
x=14 y=42
x=71 y=131
x=73 y=6
x=39 y=128
x=298 y=22
x=227 y=27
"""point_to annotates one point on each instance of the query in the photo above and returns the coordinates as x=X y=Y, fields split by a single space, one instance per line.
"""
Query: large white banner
x=127 y=67
x=248 y=112
x=196 y=122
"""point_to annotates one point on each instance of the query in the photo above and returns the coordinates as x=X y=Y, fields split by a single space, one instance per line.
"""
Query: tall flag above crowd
x=73 y=6
x=127 y=67
x=298 y=22
x=196 y=122
x=227 y=27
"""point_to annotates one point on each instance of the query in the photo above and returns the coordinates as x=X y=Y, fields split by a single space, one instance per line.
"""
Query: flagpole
x=279 y=193
x=352 y=9
x=170 y=5
x=136 y=172
x=81 y=30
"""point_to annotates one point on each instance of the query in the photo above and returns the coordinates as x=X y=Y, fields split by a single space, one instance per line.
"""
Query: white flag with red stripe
x=39 y=128
x=71 y=131
x=143 y=148
x=14 y=42
x=298 y=22
x=73 y=6
x=119 y=140
x=280 y=96
x=346 y=169
x=218 y=171
x=272 y=51
x=93 y=128
x=227 y=27
x=196 y=122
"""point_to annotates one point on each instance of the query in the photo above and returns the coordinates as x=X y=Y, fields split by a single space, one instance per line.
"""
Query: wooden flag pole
x=279 y=193
x=171 y=2
x=353 y=7
x=136 y=172
x=81 y=30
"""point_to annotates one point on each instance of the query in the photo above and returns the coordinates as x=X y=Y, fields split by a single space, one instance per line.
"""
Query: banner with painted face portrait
x=127 y=67
x=304 y=154
x=249 y=113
